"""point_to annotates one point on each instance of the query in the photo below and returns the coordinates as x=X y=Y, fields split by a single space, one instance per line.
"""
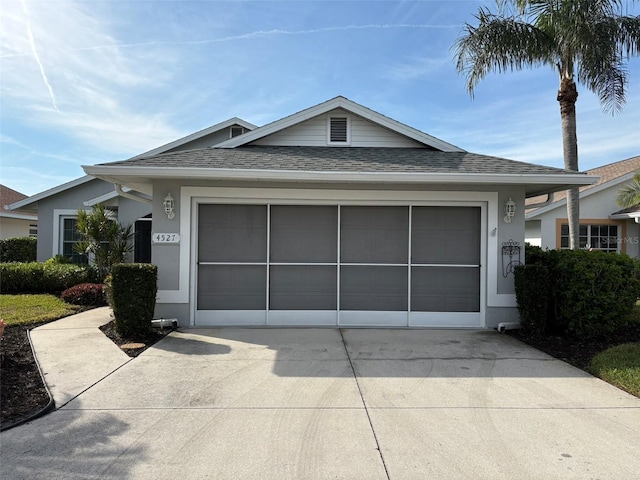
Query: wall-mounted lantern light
x=169 y=205
x=509 y=210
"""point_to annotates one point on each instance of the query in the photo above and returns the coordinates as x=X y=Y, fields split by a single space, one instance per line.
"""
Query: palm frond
x=629 y=195
x=500 y=44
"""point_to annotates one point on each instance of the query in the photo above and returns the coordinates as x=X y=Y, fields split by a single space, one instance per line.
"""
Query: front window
x=70 y=236
x=593 y=237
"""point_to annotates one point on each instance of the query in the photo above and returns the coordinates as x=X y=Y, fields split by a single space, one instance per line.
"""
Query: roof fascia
x=310 y=176
x=598 y=188
x=19 y=216
x=197 y=135
x=350 y=106
x=48 y=193
x=102 y=198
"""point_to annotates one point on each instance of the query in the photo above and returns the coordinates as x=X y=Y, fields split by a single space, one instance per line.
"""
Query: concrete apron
x=351 y=404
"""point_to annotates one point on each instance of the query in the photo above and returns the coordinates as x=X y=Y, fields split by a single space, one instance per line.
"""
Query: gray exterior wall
x=71 y=199
x=167 y=256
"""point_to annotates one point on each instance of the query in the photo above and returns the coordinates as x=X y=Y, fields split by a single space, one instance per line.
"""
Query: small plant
x=58 y=260
x=86 y=294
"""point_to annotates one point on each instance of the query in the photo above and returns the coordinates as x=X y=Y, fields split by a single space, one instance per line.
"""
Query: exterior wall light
x=509 y=210
x=169 y=205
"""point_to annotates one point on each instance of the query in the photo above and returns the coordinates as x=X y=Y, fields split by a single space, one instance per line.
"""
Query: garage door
x=338 y=265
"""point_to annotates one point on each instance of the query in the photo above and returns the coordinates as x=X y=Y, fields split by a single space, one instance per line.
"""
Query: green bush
x=87 y=294
x=18 y=249
x=589 y=293
x=134 y=288
x=532 y=293
x=36 y=277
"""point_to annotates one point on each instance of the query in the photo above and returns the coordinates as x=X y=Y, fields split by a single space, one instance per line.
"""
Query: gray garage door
x=338 y=265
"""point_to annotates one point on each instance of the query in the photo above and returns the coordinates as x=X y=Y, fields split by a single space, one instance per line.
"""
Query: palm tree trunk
x=567 y=96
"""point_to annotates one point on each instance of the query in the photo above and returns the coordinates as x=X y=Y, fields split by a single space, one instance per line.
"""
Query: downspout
x=139 y=197
x=548 y=201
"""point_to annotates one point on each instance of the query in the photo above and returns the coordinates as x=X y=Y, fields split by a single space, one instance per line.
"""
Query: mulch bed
x=22 y=392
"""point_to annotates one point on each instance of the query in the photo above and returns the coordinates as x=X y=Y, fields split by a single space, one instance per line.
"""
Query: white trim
x=190 y=197
x=52 y=191
x=58 y=215
x=102 y=198
x=349 y=106
x=195 y=136
x=147 y=173
x=19 y=216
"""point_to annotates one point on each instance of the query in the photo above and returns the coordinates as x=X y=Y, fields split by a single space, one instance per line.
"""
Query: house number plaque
x=166 y=238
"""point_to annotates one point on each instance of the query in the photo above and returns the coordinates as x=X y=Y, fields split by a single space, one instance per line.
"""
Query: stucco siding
x=14 y=227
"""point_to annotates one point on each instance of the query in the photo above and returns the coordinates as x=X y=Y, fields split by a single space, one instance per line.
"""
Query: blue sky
x=85 y=82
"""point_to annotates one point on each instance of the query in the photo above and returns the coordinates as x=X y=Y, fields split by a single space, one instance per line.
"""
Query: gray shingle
x=340 y=159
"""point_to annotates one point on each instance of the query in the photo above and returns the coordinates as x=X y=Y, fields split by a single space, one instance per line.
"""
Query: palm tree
x=583 y=40
x=629 y=195
x=104 y=240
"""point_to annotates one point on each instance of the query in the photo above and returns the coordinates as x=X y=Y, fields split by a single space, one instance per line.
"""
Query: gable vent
x=338 y=129
x=235 y=131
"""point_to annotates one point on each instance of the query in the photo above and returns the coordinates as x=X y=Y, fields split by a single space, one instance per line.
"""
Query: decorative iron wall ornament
x=510 y=257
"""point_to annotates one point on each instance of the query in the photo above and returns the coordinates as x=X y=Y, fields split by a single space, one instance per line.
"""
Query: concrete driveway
x=335 y=404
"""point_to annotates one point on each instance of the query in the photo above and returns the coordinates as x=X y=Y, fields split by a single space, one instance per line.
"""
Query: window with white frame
x=33 y=230
x=68 y=238
x=601 y=237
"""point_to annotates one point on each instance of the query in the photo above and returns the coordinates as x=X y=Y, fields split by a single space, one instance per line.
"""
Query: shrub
x=18 y=249
x=589 y=293
x=35 y=277
x=134 y=288
x=89 y=294
x=532 y=294
x=59 y=260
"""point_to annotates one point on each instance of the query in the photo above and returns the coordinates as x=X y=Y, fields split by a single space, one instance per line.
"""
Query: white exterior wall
x=313 y=133
x=14 y=227
x=594 y=207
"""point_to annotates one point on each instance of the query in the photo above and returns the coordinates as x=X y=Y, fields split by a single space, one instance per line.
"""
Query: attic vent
x=235 y=131
x=338 y=130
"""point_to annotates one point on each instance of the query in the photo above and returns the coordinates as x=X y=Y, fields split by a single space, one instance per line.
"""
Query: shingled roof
x=340 y=159
x=607 y=173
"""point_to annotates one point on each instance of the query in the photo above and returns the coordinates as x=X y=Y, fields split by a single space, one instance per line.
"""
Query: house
x=17 y=223
x=603 y=226
x=57 y=207
x=335 y=216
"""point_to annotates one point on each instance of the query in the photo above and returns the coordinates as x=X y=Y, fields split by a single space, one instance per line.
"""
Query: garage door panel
x=445 y=235
x=232 y=233
x=369 y=288
x=232 y=287
x=304 y=234
x=374 y=234
x=303 y=287
x=445 y=289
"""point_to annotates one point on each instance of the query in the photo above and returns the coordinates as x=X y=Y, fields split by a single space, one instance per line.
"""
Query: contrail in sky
x=37 y=57
x=256 y=34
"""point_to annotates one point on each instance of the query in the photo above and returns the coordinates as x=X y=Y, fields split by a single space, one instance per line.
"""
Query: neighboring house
x=335 y=216
x=603 y=226
x=57 y=208
x=15 y=223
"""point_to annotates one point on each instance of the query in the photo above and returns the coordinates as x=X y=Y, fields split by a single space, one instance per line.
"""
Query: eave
x=140 y=178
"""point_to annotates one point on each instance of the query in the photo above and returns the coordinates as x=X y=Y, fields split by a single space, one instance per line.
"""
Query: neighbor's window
x=594 y=237
x=69 y=237
x=33 y=230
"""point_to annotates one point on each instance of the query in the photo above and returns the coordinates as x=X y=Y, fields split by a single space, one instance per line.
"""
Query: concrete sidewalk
x=74 y=354
x=319 y=404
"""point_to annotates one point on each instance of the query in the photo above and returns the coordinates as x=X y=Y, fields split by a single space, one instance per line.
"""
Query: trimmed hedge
x=532 y=293
x=36 y=277
x=90 y=294
x=588 y=293
x=133 y=296
x=18 y=249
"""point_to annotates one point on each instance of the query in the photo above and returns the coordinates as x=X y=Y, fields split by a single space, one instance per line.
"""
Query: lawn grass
x=29 y=309
x=619 y=366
